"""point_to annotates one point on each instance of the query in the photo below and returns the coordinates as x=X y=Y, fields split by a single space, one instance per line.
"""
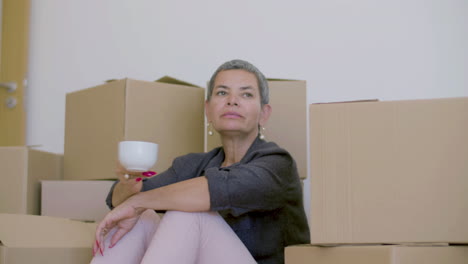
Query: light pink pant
x=178 y=237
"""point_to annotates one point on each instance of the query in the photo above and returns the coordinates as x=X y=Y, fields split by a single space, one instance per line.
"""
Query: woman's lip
x=231 y=114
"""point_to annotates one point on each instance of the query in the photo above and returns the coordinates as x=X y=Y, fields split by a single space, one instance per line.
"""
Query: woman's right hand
x=122 y=218
x=129 y=179
x=127 y=186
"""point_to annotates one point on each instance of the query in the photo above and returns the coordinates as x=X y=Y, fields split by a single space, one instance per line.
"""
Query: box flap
x=171 y=80
x=112 y=80
x=33 y=231
x=164 y=79
x=349 y=102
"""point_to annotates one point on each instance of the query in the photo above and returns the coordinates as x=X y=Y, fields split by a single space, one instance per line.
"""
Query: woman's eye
x=221 y=93
x=248 y=95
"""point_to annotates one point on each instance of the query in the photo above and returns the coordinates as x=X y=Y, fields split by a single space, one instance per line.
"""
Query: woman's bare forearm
x=122 y=191
x=189 y=196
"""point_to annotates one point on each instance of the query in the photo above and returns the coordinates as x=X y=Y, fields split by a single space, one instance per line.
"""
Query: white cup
x=138 y=155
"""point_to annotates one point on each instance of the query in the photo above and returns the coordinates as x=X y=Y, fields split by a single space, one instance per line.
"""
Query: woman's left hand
x=123 y=218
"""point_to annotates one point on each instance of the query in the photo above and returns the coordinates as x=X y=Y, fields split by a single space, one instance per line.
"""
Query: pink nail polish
x=138 y=179
x=100 y=249
x=148 y=173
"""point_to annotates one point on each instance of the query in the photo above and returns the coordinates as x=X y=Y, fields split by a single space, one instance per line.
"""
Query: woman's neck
x=235 y=148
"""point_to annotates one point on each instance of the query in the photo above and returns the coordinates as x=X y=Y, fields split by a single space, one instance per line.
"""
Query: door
x=13 y=69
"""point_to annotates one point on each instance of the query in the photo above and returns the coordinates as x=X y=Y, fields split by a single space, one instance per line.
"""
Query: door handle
x=10 y=86
x=11 y=101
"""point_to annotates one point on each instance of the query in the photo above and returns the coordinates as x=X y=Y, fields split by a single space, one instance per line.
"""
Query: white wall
x=345 y=50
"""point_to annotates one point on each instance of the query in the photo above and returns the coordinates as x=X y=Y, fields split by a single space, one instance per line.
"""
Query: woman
x=240 y=203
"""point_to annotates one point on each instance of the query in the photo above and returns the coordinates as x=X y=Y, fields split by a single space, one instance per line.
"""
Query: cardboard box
x=287 y=125
x=389 y=172
x=43 y=239
x=167 y=112
x=78 y=200
x=21 y=170
x=391 y=254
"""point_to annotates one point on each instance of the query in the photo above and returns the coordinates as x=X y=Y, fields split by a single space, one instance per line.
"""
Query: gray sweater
x=260 y=197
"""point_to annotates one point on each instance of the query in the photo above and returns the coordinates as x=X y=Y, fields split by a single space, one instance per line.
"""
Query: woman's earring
x=210 y=132
x=262 y=130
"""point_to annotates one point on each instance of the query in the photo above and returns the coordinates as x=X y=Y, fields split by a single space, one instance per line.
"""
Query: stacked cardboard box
x=377 y=254
x=168 y=112
x=26 y=237
x=389 y=173
x=77 y=200
x=43 y=239
x=22 y=169
x=288 y=122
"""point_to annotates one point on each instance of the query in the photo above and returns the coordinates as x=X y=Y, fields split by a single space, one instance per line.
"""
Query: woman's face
x=234 y=107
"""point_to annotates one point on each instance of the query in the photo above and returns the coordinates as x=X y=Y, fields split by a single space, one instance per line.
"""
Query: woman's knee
x=190 y=215
x=149 y=219
x=150 y=215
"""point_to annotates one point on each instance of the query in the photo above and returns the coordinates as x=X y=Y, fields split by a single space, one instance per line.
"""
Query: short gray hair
x=246 y=66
